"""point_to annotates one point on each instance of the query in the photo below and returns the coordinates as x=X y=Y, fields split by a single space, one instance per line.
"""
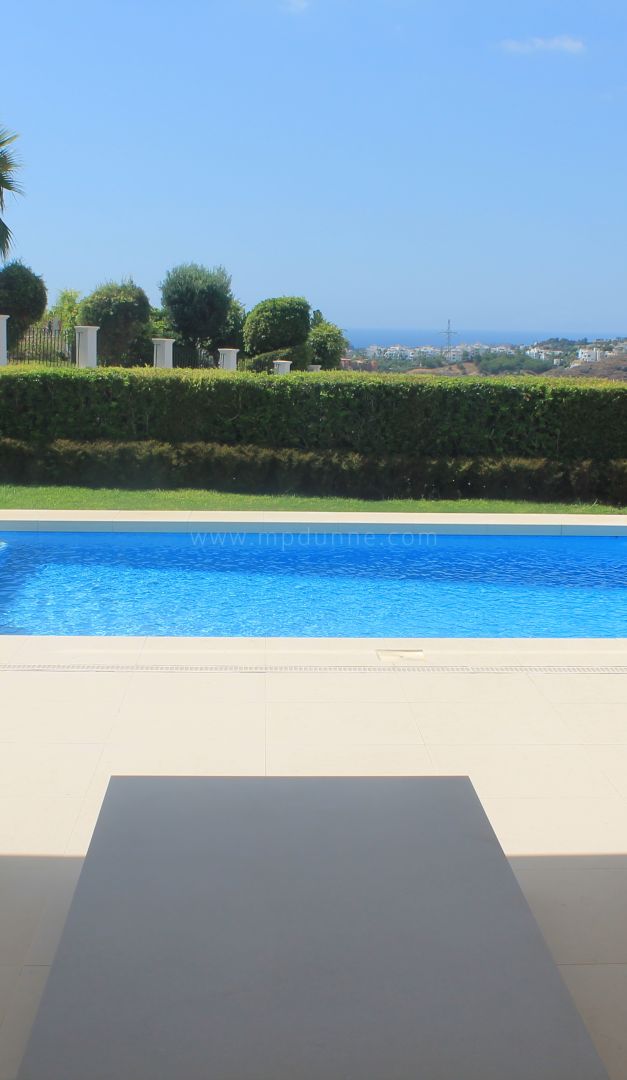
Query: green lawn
x=78 y=498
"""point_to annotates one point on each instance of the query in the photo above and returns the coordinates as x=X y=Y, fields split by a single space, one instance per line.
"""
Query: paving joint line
x=357 y=669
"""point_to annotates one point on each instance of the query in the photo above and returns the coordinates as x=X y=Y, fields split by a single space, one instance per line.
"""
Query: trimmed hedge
x=251 y=469
x=366 y=414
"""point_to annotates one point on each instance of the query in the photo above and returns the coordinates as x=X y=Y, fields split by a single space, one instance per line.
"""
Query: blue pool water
x=332 y=585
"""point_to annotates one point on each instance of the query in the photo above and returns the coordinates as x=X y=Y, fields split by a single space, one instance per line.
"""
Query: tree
x=65 y=309
x=23 y=296
x=8 y=183
x=328 y=343
x=198 y=302
x=160 y=324
x=277 y=323
x=233 y=333
x=122 y=311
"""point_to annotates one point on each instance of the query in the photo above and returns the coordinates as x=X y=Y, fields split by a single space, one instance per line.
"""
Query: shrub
x=23 y=296
x=300 y=355
x=65 y=309
x=327 y=343
x=430 y=417
x=198 y=302
x=122 y=311
x=277 y=324
x=252 y=469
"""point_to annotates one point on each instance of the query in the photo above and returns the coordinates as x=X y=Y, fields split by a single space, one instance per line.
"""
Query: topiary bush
x=23 y=297
x=277 y=324
x=122 y=311
x=199 y=303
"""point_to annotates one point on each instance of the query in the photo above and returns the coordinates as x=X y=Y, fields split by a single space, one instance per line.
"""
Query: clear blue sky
x=396 y=161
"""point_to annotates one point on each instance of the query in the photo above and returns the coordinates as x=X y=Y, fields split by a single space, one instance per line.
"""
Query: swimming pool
x=334 y=584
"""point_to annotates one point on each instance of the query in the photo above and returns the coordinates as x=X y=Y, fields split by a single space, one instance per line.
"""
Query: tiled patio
x=539 y=726
x=547 y=753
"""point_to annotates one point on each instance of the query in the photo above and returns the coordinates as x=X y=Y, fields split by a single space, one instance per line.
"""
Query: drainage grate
x=401 y=656
x=323 y=669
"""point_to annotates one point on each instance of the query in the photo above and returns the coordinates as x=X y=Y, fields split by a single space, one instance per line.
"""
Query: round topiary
x=199 y=303
x=278 y=323
x=122 y=311
x=23 y=296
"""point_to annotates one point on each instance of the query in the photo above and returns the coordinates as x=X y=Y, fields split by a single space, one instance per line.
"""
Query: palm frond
x=7 y=137
x=8 y=183
x=5 y=239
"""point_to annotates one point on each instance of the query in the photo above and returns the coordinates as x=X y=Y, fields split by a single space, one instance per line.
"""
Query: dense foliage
x=65 y=309
x=327 y=343
x=500 y=364
x=299 y=355
x=401 y=364
x=198 y=302
x=232 y=335
x=257 y=469
x=367 y=414
x=23 y=296
x=277 y=324
x=122 y=311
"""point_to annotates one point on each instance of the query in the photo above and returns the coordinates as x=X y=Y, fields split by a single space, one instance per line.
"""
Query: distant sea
x=361 y=337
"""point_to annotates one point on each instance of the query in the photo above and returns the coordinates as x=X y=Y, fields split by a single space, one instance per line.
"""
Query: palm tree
x=8 y=168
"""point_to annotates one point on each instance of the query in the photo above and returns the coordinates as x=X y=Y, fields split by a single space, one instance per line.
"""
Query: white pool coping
x=314 y=522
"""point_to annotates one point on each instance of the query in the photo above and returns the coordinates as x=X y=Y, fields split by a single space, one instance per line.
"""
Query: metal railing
x=39 y=345
x=188 y=356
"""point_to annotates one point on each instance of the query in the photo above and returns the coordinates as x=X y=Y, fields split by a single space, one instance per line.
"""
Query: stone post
x=4 y=352
x=228 y=359
x=163 y=356
x=282 y=367
x=87 y=346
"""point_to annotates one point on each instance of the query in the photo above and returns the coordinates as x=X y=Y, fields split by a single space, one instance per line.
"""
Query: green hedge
x=366 y=414
x=251 y=469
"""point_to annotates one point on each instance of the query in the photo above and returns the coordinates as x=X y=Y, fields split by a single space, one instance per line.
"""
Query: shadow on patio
x=579 y=902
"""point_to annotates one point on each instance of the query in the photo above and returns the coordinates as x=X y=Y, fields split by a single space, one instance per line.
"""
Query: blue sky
x=399 y=162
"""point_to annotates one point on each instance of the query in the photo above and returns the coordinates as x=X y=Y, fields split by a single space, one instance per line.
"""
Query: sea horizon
x=361 y=337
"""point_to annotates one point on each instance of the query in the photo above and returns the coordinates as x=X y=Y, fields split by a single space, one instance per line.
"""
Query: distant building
x=550 y=356
x=590 y=355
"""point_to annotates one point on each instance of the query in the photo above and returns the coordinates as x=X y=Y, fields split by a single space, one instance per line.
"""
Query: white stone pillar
x=314 y=367
x=87 y=346
x=228 y=359
x=4 y=352
x=282 y=367
x=164 y=355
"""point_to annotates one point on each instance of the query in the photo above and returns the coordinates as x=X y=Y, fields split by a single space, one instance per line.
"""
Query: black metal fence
x=187 y=356
x=41 y=345
x=46 y=345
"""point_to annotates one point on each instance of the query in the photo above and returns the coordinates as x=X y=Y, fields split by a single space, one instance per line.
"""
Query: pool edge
x=264 y=521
